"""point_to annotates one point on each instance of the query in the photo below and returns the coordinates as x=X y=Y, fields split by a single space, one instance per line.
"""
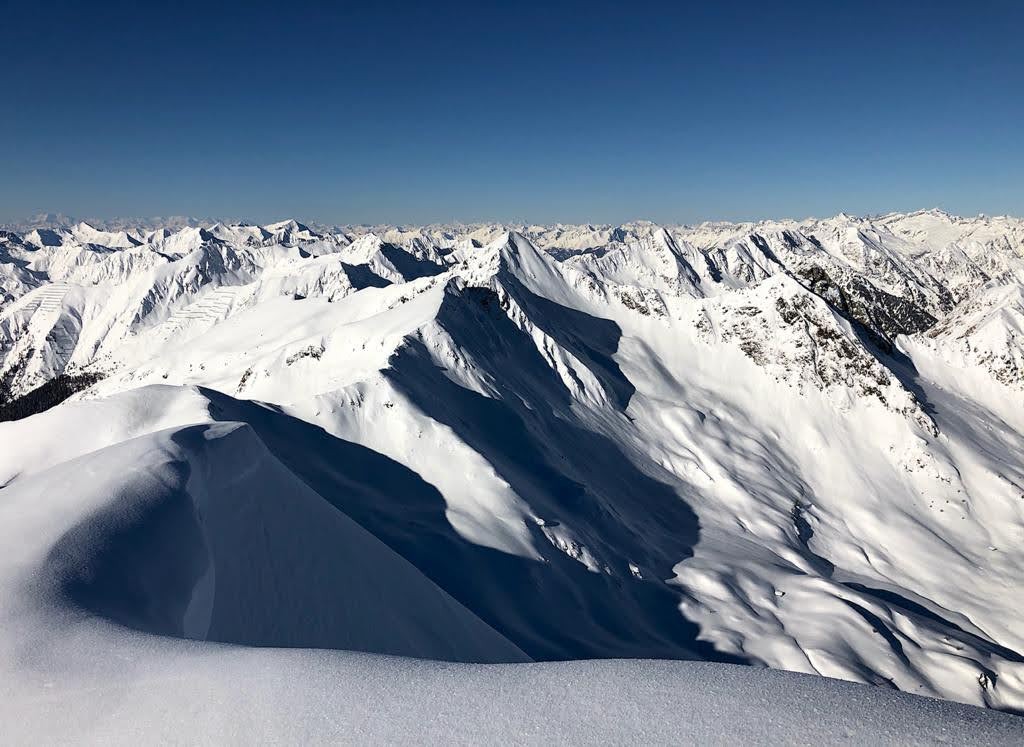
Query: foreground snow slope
x=115 y=556
x=200 y=532
x=790 y=444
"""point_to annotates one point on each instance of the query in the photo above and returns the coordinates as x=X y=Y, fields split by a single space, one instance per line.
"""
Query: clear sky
x=586 y=111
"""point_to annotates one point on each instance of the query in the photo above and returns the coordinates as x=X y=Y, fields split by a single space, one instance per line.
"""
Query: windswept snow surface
x=794 y=444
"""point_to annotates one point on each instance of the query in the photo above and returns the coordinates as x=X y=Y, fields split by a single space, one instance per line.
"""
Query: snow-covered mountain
x=796 y=444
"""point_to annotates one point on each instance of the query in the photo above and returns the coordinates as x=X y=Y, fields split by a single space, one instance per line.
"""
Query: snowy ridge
x=795 y=444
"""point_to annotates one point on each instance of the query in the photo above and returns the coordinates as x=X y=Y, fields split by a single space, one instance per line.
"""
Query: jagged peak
x=45 y=237
x=289 y=224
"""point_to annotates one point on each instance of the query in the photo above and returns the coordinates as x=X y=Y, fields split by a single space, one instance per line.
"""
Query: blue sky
x=595 y=111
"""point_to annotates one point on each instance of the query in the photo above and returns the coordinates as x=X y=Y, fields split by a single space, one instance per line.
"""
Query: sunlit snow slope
x=790 y=444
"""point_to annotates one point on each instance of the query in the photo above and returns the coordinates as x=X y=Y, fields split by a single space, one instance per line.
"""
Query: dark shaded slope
x=201 y=533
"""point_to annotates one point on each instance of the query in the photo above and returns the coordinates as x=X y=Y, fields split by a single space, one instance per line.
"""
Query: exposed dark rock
x=50 y=394
x=882 y=314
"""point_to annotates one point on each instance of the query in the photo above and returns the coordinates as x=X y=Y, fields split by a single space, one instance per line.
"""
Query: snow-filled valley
x=364 y=482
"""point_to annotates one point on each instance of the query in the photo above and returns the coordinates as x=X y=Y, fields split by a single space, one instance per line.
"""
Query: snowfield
x=409 y=483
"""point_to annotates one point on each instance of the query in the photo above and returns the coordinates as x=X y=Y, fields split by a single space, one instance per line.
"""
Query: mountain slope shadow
x=591 y=339
x=551 y=610
x=591 y=503
x=569 y=475
x=407 y=265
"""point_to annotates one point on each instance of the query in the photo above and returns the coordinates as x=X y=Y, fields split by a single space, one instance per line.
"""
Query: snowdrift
x=199 y=532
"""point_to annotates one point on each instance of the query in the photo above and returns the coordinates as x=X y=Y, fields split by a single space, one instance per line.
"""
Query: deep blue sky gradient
x=587 y=111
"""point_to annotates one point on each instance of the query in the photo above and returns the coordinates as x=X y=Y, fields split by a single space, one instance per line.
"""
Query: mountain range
x=790 y=444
